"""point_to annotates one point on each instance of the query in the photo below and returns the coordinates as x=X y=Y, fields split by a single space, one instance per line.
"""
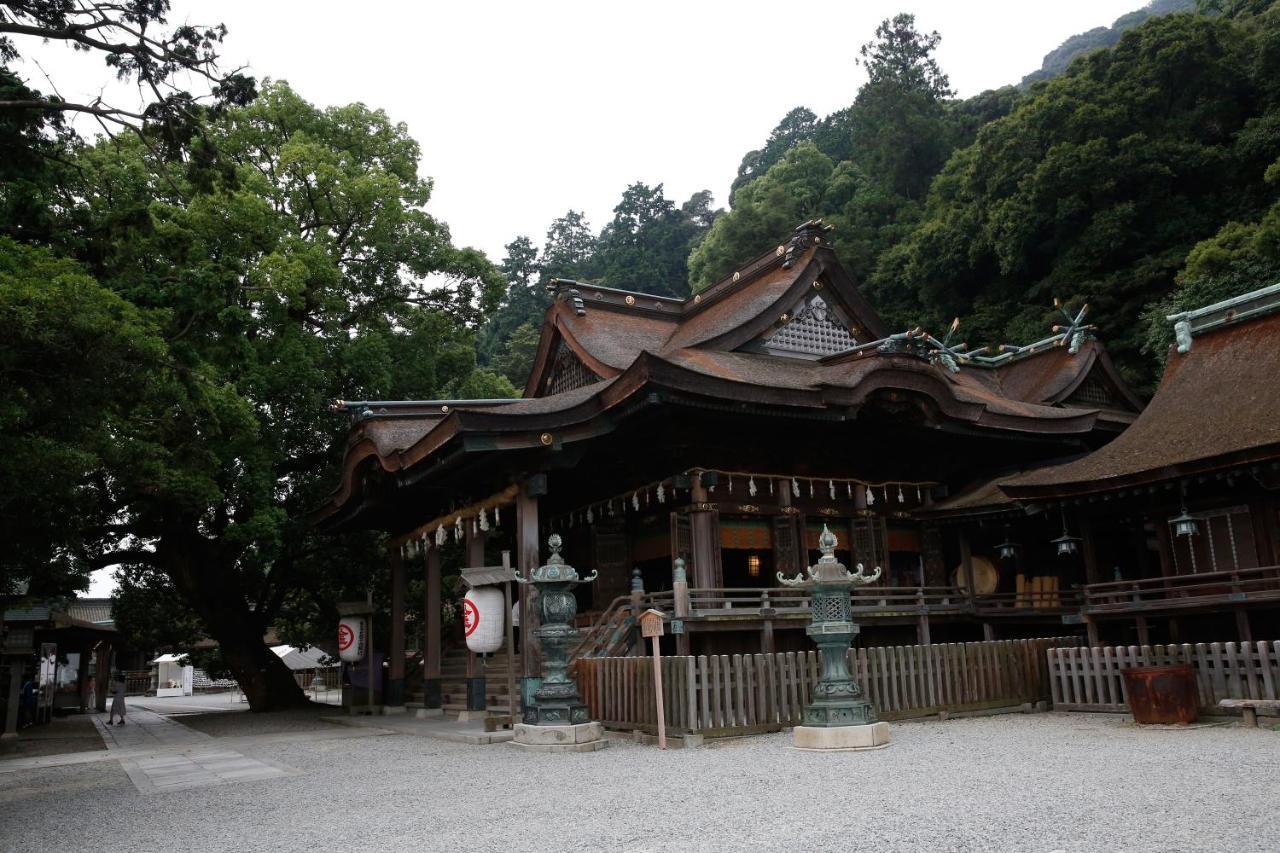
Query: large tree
x=297 y=266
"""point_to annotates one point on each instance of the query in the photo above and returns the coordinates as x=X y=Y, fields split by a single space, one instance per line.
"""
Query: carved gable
x=1098 y=391
x=815 y=331
x=568 y=372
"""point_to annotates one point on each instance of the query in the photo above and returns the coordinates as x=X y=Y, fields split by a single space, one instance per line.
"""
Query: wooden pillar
x=1261 y=515
x=475 y=545
x=966 y=565
x=432 y=642
x=703 y=532
x=393 y=696
x=1092 y=628
x=1165 y=543
x=476 y=687
x=988 y=631
x=102 y=677
x=1242 y=625
x=923 y=636
x=527 y=559
x=1144 y=633
x=1089 y=551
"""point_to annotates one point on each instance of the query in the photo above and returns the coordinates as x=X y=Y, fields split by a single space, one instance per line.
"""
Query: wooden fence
x=716 y=695
x=1088 y=679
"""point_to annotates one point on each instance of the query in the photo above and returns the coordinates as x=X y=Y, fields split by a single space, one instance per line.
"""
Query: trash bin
x=1162 y=694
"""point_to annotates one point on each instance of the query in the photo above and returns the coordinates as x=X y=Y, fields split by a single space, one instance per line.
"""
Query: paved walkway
x=168 y=756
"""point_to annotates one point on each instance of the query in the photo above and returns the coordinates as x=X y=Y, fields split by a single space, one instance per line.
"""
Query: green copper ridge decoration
x=837 y=698
x=557 y=701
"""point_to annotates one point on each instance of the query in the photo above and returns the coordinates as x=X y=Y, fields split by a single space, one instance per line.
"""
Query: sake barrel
x=353 y=638
x=483 y=619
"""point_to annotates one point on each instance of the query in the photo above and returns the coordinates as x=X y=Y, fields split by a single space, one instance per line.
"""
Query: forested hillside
x=1058 y=59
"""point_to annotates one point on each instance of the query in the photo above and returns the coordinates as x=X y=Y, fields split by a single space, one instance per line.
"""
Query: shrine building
x=689 y=450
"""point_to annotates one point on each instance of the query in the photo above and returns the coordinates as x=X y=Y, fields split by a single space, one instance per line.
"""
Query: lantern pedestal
x=870 y=736
x=584 y=737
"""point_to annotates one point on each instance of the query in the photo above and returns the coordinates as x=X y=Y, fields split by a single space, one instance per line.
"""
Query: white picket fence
x=1088 y=679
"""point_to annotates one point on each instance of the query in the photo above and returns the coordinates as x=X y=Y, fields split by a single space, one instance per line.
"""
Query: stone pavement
x=168 y=756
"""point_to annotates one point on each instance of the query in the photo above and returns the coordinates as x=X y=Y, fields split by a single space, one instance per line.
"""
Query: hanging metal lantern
x=1008 y=549
x=1066 y=543
x=1185 y=524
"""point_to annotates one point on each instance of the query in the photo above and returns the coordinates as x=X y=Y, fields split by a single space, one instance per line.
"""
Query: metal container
x=1162 y=694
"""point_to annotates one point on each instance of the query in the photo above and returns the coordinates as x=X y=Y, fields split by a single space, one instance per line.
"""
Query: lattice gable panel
x=1097 y=391
x=568 y=372
x=815 y=330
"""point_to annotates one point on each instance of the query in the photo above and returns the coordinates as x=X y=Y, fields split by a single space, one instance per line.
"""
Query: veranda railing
x=718 y=695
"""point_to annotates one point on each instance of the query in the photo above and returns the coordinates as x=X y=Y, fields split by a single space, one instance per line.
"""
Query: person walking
x=117 y=700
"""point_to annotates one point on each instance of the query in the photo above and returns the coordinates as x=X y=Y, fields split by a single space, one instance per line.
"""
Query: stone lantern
x=557 y=720
x=839 y=717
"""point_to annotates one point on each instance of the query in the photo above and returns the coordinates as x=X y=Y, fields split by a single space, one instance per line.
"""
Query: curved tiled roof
x=699 y=346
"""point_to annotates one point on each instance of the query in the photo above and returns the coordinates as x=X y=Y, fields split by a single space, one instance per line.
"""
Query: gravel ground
x=1044 y=782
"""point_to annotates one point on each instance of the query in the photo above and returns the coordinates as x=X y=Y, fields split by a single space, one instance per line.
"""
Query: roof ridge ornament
x=807 y=234
x=1075 y=333
x=921 y=344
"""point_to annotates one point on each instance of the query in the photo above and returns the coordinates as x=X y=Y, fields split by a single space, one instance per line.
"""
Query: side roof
x=1217 y=407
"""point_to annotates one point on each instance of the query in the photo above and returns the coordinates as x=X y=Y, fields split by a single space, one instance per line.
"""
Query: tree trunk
x=213 y=592
x=268 y=684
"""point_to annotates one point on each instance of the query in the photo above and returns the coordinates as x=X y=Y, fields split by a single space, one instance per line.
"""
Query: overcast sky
x=527 y=109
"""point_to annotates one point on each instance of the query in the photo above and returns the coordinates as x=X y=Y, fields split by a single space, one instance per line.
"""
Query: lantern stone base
x=584 y=737
x=871 y=736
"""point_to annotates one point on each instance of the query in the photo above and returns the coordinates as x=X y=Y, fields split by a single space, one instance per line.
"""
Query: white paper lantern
x=353 y=638
x=483 y=619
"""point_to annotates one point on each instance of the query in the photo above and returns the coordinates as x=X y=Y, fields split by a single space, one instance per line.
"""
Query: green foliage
x=75 y=361
x=150 y=614
x=1097 y=186
x=646 y=246
x=1241 y=257
x=516 y=361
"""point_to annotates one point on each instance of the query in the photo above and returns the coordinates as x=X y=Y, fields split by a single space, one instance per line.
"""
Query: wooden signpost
x=651 y=626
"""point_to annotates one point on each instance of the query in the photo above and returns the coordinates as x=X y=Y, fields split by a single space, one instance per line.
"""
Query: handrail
x=1184 y=590
x=1196 y=578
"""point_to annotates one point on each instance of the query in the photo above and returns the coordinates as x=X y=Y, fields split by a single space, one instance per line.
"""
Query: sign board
x=651 y=623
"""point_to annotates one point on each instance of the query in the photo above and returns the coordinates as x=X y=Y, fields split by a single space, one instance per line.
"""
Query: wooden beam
x=502 y=498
